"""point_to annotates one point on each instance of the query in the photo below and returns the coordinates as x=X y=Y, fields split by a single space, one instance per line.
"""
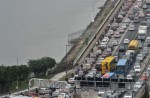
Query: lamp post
x=17 y=74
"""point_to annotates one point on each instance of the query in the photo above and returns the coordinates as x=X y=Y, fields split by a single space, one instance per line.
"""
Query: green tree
x=23 y=72
x=40 y=66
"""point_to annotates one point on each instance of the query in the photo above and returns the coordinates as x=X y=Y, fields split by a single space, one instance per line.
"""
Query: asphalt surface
x=98 y=35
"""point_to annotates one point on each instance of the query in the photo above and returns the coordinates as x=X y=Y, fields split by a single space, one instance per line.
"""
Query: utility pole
x=17 y=74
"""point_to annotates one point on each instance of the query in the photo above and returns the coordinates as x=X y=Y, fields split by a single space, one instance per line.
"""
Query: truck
x=142 y=32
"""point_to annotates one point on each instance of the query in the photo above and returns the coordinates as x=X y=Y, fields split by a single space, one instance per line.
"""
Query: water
x=31 y=29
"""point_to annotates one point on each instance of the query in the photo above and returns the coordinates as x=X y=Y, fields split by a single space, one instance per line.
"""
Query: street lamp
x=17 y=74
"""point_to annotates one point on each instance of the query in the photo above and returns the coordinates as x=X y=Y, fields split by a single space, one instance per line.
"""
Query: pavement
x=58 y=76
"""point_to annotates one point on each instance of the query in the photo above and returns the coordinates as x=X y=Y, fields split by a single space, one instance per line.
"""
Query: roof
x=108 y=74
x=108 y=59
x=121 y=62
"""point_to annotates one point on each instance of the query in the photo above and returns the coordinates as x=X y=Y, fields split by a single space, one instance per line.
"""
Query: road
x=91 y=45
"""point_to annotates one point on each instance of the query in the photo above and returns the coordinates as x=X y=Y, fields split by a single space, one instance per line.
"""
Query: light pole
x=17 y=74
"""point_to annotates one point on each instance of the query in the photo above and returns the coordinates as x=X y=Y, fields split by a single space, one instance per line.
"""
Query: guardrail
x=97 y=31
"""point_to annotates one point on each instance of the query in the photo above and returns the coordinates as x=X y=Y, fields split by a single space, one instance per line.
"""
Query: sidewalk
x=58 y=76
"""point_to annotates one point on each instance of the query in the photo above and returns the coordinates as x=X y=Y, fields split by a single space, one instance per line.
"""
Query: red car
x=144 y=77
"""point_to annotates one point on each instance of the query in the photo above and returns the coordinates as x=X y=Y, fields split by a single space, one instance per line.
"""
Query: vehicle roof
x=108 y=59
x=121 y=62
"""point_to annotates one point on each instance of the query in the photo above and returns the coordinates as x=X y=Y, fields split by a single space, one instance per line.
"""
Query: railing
x=97 y=31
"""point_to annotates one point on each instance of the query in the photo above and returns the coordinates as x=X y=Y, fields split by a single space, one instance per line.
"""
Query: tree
x=40 y=66
x=23 y=72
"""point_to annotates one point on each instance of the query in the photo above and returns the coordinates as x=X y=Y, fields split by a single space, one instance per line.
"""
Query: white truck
x=142 y=32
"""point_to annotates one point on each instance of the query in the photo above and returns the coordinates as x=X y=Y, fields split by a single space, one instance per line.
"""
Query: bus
x=133 y=45
x=109 y=75
x=122 y=66
x=108 y=64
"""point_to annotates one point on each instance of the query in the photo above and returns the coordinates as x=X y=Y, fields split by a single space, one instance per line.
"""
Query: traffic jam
x=122 y=53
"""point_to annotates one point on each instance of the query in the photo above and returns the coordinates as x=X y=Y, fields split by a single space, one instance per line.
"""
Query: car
x=109 y=92
x=132 y=17
x=126 y=21
x=123 y=13
x=145 y=44
x=98 y=75
x=126 y=41
x=145 y=76
x=136 y=20
x=63 y=95
x=140 y=45
x=140 y=57
x=128 y=95
x=121 y=30
x=137 y=63
x=132 y=73
x=116 y=56
x=105 y=39
x=105 y=54
x=145 y=50
x=111 y=32
x=144 y=6
x=129 y=77
x=137 y=69
x=108 y=35
x=122 y=48
x=114 y=42
x=43 y=91
x=131 y=28
x=123 y=25
x=138 y=84
x=90 y=75
x=141 y=14
x=81 y=73
x=148 y=68
x=100 y=92
x=117 y=35
x=101 y=59
x=108 y=50
x=71 y=81
x=103 y=45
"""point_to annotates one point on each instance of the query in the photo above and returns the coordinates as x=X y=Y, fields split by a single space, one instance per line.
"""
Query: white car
x=138 y=85
x=123 y=25
x=137 y=69
x=131 y=28
x=126 y=41
x=90 y=75
x=63 y=95
x=105 y=39
x=100 y=92
x=117 y=35
x=129 y=77
x=144 y=6
x=141 y=14
x=140 y=57
x=71 y=80
x=114 y=42
x=128 y=95
x=111 y=32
